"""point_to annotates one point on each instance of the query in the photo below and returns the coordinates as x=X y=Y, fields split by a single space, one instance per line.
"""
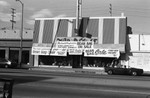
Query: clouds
x=28 y=18
x=43 y=13
x=4 y=3
x=4 y=16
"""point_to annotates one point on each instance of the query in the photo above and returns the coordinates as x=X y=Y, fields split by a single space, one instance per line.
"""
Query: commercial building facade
x=10 y=45
x=55 y=43
x=99 y=41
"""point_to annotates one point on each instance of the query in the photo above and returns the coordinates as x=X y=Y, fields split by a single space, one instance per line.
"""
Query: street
x=41 y=84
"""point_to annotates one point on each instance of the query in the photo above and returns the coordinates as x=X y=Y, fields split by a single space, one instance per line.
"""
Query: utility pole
x=110 y=9
x=13 y=15
x=78 y=15
x=21 y=32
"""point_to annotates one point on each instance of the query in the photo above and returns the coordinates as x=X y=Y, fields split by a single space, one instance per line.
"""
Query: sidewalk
x=70 y=70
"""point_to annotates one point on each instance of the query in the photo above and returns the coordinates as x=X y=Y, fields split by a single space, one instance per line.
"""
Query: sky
x=136 y=11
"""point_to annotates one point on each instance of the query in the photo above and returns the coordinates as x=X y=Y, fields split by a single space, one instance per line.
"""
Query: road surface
x=39 y=84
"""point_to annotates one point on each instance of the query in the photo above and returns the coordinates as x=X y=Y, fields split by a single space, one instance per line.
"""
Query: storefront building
x=99 y=41
x=10 y=45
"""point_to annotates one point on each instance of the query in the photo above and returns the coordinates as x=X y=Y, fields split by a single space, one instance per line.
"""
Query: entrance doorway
x=77 y=61
x=14 y=55
x=25 y=56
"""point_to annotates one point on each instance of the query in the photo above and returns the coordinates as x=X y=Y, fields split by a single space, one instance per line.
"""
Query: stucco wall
x=139 y=51
x=139 y=42
x=15 y=34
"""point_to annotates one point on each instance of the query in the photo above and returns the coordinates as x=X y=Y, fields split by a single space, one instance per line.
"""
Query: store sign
x=48 y=51
x=101 y=53
x=94 y=39
x=58 y=52
x=74 y=44
x=74 y=47
x=75 y=51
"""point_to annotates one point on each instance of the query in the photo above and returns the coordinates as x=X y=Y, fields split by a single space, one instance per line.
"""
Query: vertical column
x=116 y=31
x=7 y=53
x=36 y=60
x=41 y=31
x=56 y=22
x=70 y=27
x=100 y=31
x=36 y=57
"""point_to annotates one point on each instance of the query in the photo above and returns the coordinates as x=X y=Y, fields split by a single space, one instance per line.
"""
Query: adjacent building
x=10 y=45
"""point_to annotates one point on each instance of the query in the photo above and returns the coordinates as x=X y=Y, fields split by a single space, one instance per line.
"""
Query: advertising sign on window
x=75 y=51
x=101 y=53
x=74 y=44
x=48 y=51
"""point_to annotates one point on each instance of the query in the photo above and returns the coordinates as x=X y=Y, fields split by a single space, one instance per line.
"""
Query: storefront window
x=96 y=61
x=61 y=61
x=54 y=61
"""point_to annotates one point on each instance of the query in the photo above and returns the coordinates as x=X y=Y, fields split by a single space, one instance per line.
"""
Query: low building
x=10 y=45
x=99 y=41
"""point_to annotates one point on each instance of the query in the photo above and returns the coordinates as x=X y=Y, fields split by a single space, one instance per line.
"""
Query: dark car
x=124 y=71
x=5 y=63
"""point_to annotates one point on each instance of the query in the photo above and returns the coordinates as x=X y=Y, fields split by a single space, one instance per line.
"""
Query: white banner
x=93 y=39
x=74 y=44
x=48 y=51
x=101 y=53
x=75 y=51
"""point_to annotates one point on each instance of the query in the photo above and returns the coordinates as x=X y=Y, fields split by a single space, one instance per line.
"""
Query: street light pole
x=21 y=33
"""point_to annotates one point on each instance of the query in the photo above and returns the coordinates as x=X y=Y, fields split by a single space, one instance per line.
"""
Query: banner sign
x=75 y=51
x=93 y=39
x=58 y=52
x=74 y=44
x=101 y=53
x=48 y=51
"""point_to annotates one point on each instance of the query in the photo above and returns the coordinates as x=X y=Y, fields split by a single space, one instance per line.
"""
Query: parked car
x=5 y=63
x=124 y=71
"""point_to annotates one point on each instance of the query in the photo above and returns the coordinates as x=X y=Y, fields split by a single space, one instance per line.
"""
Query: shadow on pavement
x=25 y=79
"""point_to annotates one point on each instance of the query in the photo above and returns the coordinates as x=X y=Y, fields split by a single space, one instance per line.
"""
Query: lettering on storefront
x=35 y=52
x=75 y=51
x=102 y=53
x=95 y=40
x=48 y=51
x=44 y=52
x=74 y=45
x=89 y=52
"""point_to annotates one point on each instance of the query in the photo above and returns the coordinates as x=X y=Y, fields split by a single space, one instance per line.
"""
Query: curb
x=69 y=70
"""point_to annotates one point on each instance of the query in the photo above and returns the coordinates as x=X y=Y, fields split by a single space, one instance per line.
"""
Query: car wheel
x=110 y=72
x=134 y=73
